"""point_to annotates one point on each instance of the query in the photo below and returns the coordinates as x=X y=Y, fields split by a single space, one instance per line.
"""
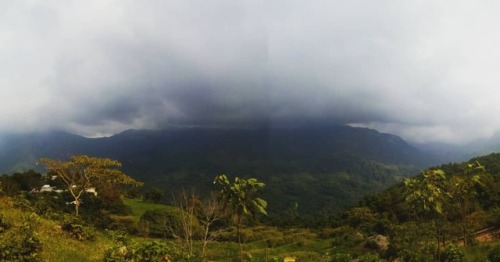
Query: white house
x=91 y=190
x=46 y=188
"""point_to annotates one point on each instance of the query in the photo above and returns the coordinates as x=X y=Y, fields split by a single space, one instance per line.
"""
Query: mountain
x=315 y=167
x=450 y=153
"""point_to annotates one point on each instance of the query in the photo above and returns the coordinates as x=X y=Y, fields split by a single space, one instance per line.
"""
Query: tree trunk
x=77 y=206
x=239 y=238
x=464 y=223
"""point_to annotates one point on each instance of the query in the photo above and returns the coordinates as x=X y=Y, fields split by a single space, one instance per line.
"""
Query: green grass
x=140 y=207
x=303 y=244
x=478 y=252
x=57 y=245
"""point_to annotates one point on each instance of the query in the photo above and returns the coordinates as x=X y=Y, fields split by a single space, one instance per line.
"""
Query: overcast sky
x=428 y=71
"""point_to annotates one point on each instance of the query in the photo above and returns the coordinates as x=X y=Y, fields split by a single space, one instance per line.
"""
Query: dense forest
x=319 y=168
x=449 y=212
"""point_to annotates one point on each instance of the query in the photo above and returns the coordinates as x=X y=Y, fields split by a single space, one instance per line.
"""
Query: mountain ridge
x=319 y=167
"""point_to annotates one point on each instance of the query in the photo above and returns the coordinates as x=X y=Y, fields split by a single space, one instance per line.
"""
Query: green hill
x=320 y=167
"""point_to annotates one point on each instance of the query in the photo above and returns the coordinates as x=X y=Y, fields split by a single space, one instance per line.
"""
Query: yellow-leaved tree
x=82 y=173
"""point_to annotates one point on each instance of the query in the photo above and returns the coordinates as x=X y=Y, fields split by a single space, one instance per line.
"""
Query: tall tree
x=426 y=195
x=241 y=198
x=187 y=203
x=210 y=212
x=462 y=189
x=81 y=173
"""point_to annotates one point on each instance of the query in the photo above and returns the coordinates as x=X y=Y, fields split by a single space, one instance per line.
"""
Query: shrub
x=4 y=224
x=22 y=243
x=117 y=236
x=341 y=257
x=22 y=203
x=453 y=253
x=77 y=230
x=411 y=255
x=165 y=223
x=147 y=251
x=370 y=257
x=308 y=256
x=494 y=254
x=123 y=223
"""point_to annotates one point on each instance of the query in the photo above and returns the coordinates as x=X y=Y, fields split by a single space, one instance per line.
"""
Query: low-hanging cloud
x=423 y=70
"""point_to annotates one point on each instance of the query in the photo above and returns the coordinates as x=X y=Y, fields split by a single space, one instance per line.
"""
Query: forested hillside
x=319 y=168
x=447 y=213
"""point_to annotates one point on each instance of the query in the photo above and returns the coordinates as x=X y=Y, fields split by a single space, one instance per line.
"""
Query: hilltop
x=316 y=167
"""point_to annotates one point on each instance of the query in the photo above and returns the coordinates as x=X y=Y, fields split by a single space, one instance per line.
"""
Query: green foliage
x=494 y=254
x=156 y=223
x=4 y=223
x=341 y=257
x=83 y=173
x=453 y=253
x=118 y=236
x=153 y=195
x=370 y=257
x=124 y=223
x=345 y=237
x=413 y=241
x=146 y=251
x=361 y=217
x=165 y=223
x=80 y=232
x=21 y=243
x=241 y=195
x=20 y=182
x=426 y=193
x=427 y=253
x=22 y=203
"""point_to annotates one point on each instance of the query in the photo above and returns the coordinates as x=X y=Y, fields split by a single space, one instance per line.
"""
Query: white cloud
x=425 y=70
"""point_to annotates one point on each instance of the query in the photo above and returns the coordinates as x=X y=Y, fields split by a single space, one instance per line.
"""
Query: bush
x=78 y=231
x=370 y=257
x=22 y=203
x=165 y=223
x=341 y=257
x=123 y=223
x=413 y=255
x=147 y=251
x=4 y=224
x=22 y=243
x=494 y=254
x=118 y=236
x=453 y=253
x=308 y=256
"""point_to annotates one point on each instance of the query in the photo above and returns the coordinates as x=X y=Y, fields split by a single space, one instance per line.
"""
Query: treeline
x=314 y=185
x=428 y=216
x=97 y=185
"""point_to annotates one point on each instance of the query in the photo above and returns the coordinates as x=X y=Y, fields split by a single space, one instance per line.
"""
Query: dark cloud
x=423 y=70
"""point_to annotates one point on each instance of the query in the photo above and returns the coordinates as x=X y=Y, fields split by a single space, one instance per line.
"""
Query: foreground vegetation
x=431 y=217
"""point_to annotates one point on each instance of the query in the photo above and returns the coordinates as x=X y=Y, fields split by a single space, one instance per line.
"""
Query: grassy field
x=263 y=243
x=140 y=207
x=57 y=245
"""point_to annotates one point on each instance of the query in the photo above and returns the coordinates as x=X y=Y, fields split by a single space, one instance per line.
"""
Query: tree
x=427 y=195
x=82 y=173
x=462 y=188
x=187 y=203
x=241 y=198
x=209 y=213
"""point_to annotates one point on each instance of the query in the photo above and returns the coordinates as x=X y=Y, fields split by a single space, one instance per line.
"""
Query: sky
x=427 y=71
